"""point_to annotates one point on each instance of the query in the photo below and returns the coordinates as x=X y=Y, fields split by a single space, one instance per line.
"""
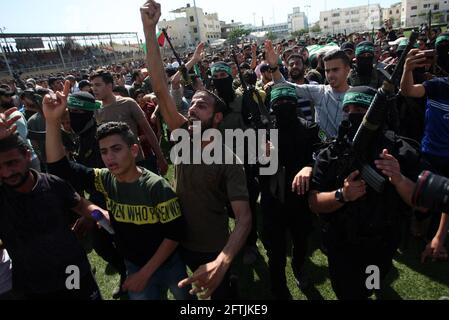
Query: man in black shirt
x=34 y=227
x=361 y=226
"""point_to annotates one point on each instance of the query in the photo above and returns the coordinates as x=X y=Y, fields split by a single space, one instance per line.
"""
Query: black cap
x=347 y=45
x=265 y=68
x=83 y=83
x=6 y=93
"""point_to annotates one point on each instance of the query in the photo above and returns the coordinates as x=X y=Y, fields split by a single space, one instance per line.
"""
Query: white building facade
x=297 y=20
x=416 y=12
x=192 y=26
x=353 y=19
x=393 y=13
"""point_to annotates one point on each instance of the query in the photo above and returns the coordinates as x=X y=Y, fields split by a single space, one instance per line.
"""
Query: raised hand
x=150 y=13
x=270 y=55
x=54 y=106
x=197 y=55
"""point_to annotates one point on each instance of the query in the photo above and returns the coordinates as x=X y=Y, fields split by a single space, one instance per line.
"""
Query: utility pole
x=307 y=24
x=197 y=21
x=4 y=53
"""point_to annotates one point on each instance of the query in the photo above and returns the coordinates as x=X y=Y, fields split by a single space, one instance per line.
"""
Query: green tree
x=271 y=36
x=316 y=28
x=299 y=33
x=237 y=33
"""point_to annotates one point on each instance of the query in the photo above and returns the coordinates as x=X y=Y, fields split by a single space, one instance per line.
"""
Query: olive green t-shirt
x=204 y=191
x=123 y=110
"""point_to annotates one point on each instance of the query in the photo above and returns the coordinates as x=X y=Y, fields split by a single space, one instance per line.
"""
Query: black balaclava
x=356 y=120
x=361 y=96
x=224 y=85
x=224 y=89
x=79 y=120
x=365 y=65
x=286 y=116
x=284 y=103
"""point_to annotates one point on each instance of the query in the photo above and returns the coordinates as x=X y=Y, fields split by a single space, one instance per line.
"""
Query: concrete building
x=353 y=19
x=192 y=26
x=297 y=20
x=415 y=12
x=393 y=13
x=226 y=28
x=277 y=28
x=176 y=30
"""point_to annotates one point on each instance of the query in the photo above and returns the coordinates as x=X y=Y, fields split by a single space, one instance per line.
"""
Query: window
x=195 y=30
x=325 y=19
x=336 y=22
x=335 y=15
x=436 y=6
x=425 y=6
x=391 y=11
x=347 y=21
x=414 y=8
x=191 y=19
x=397 y=11
x=413 y=16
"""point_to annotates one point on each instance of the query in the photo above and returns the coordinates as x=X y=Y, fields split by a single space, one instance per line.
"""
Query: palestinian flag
x=160 y=38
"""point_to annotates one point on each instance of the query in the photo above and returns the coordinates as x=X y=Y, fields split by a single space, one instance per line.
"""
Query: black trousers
x=348 y=263
x=104 y=246
x=253 y=190
x=294 y=217
x=88 y=290
x=103 y=243
x=194 y=259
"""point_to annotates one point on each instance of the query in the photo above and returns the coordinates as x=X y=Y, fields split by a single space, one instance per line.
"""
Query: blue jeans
x=166 y=277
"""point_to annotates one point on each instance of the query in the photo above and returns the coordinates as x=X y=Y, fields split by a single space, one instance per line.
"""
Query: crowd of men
x=86 y=142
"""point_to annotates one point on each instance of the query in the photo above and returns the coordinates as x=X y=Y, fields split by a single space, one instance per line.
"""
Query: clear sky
x=53 y=16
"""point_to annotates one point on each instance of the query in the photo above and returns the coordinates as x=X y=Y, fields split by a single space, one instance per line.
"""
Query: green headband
x=357 y=98
x=76 y=103
x=403 y=44
x=287 y=92
x=220 y=67
x=362 y=49
x=441 y=39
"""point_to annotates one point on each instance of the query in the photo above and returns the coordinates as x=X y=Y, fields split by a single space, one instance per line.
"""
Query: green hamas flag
x=321 y=49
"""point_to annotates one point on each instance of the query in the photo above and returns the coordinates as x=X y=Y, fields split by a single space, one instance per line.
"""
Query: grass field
x=408 y=280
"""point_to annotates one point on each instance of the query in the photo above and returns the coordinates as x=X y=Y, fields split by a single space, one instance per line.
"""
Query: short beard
x=297 y=75
x=22 y=181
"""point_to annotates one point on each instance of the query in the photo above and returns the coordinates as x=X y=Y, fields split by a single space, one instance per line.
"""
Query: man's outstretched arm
x=150 y=13
x=54 y=108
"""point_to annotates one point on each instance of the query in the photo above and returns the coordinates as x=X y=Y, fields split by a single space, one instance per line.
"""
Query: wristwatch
x=339 y=196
